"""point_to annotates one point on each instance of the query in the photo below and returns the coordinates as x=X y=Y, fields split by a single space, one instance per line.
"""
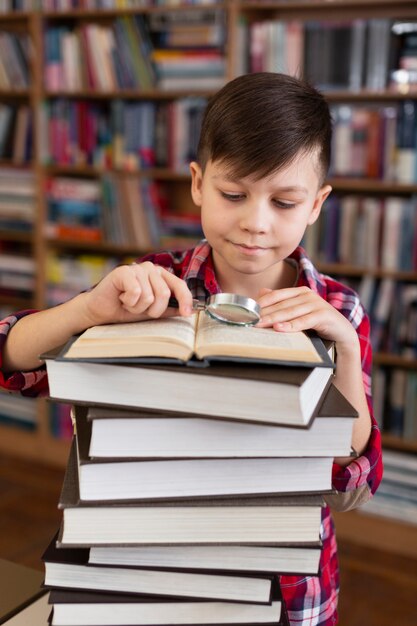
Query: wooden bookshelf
x=45 y=447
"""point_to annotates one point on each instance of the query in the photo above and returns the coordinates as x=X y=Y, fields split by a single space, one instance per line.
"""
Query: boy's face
x=252 y=225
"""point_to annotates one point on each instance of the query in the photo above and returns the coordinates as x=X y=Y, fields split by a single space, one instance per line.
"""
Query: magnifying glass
x=228 y=308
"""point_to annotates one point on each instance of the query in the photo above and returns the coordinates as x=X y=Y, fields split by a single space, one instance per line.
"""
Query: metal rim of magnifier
x=250 y=308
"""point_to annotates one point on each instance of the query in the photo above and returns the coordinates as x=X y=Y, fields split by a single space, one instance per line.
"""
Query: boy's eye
x=233 y=197
x=284 y=205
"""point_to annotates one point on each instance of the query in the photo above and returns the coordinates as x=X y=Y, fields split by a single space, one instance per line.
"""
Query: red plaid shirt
x=310 y=600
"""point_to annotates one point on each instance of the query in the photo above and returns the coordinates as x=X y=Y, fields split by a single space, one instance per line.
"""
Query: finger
x=288 y=315
x=310 y=321
x=146 y=297
x=161 y=293
x=278 y=295
x=180 y=291
x=287 y=306
x=126 y=283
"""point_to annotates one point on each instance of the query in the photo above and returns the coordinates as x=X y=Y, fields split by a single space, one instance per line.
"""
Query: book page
x=161 y=338
x=217 y=339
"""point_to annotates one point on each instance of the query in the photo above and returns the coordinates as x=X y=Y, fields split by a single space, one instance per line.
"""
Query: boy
x=259 y=180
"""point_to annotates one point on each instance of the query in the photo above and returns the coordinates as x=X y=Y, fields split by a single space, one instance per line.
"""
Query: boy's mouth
x=249 y=250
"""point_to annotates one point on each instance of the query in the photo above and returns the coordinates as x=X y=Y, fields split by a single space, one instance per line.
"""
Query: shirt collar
x=200 y=273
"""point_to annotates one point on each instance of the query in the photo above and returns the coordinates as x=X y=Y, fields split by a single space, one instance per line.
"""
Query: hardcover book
x=69 y=568
x=117 y=433
x=81 y=608
x=236 y=391
x=197 y=337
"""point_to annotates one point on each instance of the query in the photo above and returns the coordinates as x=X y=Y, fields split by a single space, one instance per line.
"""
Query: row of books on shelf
x=15 y=57
x=16 y=143
x=120 y=134
x=120 y=210
x=132 y=53
x=68 y=274
x=395 y=401
x=135 y=52
x=344 y=54
x=17 y=199
x=375 y=141
x=18 y=411
x=366 y=231
x=17 y=271
x=392 y=308
x=397 y=494
x=8 y=6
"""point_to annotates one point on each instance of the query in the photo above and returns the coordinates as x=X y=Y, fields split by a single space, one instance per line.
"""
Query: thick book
x=288 y=560
x=196 y=338
x=20 y=586
x=123 y=434
x=69 y=568
x=262 y=520
x=101 y=480
x=254 y=393
x=82 y=608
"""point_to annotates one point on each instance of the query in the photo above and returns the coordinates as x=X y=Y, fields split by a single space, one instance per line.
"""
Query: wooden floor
x=377 y=588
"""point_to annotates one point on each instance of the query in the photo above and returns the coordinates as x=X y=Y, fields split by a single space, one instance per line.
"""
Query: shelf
x=89 y=170
x=397 y=443
x=381 y=533
x=16 y=303
x=16 y=166
x=132 y=94
x=14 y=16
x=367 y=96
x=31 y=446
x=357 y=185
x=342 y=269
x=95 y=247
x=330 y=8
x=16 y=235
x=156 y=94
x=12 y=94
x=367 y=185
x=394 y=360
x=110 y=13
x=40 y=444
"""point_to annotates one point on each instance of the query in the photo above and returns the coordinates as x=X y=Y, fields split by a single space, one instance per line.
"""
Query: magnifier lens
x=232 y=314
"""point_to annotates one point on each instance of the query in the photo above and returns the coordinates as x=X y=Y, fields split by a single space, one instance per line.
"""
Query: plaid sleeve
x=31 y=384
x=366 y=469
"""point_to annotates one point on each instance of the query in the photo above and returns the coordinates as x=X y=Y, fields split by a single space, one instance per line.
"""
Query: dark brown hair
x=258 y=123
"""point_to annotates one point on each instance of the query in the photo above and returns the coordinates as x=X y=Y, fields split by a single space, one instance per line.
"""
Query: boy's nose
x=255 y=218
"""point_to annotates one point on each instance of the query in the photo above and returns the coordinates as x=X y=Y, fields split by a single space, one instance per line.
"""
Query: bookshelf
x=39 y=245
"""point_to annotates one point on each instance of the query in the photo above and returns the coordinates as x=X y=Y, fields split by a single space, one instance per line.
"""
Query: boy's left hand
x=300 y=308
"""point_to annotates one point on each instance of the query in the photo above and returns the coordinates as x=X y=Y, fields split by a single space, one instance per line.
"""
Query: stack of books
x=196 y=474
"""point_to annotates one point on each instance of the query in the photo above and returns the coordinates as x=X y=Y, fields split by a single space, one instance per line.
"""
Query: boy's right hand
x=136 y=292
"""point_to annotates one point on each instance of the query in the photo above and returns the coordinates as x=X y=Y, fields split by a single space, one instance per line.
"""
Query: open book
x=196 y=338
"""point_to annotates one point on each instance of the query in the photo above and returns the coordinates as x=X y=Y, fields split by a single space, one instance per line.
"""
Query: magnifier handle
x=198 y=305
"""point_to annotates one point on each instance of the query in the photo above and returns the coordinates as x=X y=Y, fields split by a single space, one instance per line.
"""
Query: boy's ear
x=196 y=182
x=321 y=196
